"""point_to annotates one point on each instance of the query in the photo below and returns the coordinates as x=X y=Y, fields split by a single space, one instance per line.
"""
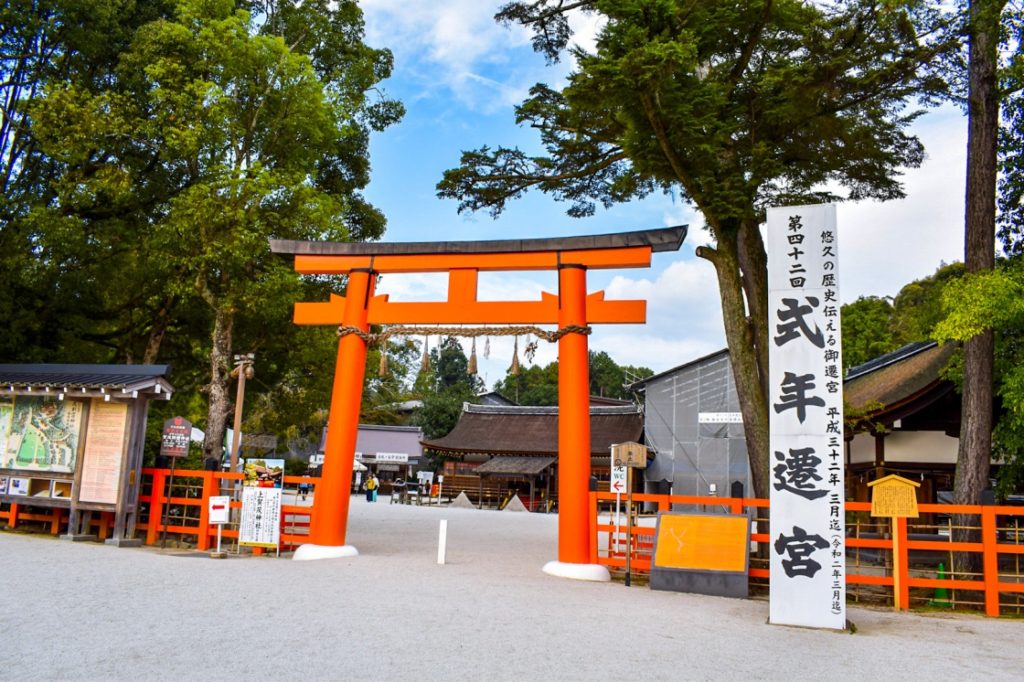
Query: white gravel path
x=90 y=611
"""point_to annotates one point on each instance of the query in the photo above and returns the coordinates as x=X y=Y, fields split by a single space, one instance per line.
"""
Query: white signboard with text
x=618 y=480
x=397 y=457
x=260 y=525
x=807 y=545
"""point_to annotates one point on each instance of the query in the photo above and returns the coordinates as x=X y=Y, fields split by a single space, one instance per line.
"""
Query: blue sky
x=460 y=74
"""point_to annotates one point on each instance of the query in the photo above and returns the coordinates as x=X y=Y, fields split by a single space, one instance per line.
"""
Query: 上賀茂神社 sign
x=807 y=538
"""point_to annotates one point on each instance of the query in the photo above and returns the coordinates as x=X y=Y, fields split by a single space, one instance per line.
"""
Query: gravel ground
x=90 y=611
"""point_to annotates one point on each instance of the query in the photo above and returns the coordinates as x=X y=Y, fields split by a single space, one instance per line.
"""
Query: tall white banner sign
x=808 y=530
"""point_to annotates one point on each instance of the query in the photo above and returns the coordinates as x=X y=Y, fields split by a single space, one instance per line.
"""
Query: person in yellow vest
x=371 y=486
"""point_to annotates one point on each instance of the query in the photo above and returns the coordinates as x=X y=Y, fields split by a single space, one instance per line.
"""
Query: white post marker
x=617 y=485
x=442 y=542
x=220 y=512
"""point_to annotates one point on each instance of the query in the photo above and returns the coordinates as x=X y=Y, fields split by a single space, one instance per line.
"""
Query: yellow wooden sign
x=629 y=455
x=894 y=497
x=702 y=542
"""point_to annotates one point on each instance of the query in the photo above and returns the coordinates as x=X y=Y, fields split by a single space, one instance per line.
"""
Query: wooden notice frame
x=106 y=440
x=105 y=478
x=894 y=497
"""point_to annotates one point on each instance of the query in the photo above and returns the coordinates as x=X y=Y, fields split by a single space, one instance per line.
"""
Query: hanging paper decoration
x=487 y=348
x=530 y=350
x=471 y=367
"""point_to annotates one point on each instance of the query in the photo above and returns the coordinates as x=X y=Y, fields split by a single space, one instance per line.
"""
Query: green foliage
x=995 y=300
x=733 y=106
x=867 y=325
x=535 y=385
x=443 y=388
x=1011 y=140
x=736 y=106
x=918 y=306
x=979 y=301
x=168 y=141
x=874 y=326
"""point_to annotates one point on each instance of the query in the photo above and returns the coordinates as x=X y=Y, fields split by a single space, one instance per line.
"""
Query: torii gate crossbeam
x=572 y=309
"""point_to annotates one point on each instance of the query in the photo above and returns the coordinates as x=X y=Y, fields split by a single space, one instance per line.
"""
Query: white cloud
x=454 y=46
x=884 y=246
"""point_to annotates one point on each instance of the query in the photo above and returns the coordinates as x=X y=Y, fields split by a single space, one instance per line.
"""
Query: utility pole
x=243 y=370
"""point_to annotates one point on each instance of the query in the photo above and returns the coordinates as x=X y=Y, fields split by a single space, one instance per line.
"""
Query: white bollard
x=442 y=542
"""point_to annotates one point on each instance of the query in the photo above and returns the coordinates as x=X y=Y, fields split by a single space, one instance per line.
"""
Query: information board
x=43 y=434
x=260 y=524
x=176 y=437
x=104 y=452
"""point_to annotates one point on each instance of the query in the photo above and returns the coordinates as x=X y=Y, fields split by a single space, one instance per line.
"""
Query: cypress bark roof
x=901 y=378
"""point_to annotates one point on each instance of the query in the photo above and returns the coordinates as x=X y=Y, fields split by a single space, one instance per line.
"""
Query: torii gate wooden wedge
x=572 y=309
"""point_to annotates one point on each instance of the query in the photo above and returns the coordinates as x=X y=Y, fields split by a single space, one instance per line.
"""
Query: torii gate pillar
x=573 y=426
x=572 y=310
x=327 y=529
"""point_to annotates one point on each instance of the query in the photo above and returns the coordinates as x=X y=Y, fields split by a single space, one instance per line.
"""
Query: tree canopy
x=167 y=143
x=733 y=106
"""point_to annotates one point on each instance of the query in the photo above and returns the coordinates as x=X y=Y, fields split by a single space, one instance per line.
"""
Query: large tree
x=734 y=106
x=219 y=129
x=47 y=264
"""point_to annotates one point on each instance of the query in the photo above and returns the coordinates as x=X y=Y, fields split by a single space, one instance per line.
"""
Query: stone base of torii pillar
x=313 y=552
x=591 y=572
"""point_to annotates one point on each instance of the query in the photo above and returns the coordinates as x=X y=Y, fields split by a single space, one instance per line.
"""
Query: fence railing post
x=593 y=527
x=901 y=564
x=990 y=560
x=156 y=506
x=209 y=490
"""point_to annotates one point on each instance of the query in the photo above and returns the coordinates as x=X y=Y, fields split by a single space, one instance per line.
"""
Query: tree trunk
x=743 y=353
x=975 y=448
x=157 y=331
x=220 y=381
x=753 y=261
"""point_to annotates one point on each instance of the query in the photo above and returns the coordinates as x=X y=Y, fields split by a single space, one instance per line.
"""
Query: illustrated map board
x=40 y=434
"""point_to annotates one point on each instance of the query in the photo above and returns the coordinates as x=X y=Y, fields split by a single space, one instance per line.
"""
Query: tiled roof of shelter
x=84 y=378
x=534 y=430
x=897 y=377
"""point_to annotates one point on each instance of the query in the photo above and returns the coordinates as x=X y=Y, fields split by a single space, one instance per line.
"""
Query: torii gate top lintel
x=463 y=260
x=665 y=239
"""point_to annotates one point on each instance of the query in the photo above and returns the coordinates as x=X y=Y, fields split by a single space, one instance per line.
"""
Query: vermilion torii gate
x=573 y=310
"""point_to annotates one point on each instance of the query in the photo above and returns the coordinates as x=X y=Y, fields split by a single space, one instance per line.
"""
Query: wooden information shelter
x=572 y=310
x=71 y=442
